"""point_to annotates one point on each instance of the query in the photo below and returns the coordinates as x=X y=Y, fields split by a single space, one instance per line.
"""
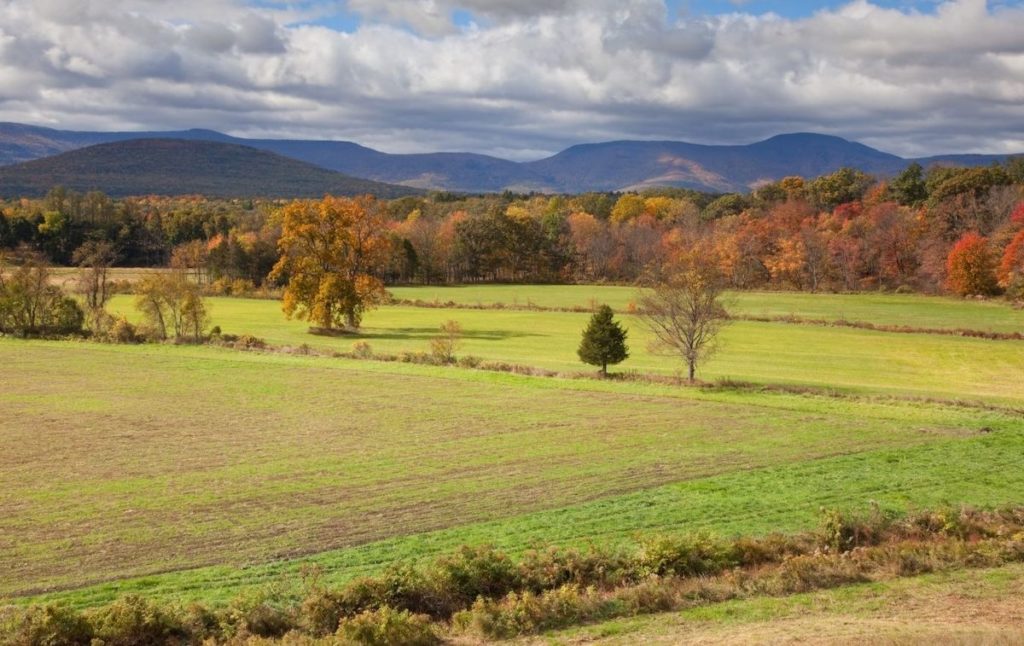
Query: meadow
x=198 y=472
x=850 y=359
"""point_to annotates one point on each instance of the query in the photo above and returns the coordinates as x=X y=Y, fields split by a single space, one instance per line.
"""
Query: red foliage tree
x=970 y=266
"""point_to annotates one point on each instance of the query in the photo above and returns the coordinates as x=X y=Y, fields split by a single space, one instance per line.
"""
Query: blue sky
x=342 y=19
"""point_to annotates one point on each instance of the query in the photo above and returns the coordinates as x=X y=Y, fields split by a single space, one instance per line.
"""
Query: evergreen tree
x=604 y=341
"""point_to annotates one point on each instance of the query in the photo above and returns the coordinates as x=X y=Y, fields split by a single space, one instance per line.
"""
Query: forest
x=934 y=230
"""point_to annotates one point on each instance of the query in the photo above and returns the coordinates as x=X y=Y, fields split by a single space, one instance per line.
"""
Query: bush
x=388 y=627
x=52 y=625
x=249 y=342
x=469 y=361
x=256 y=614
x=321 y=612
x=687 y=555
x=843 y=532
x=547 y=569
x=134 y=621
x=64 y=317
x=443 y=346
x=814 y=572
x=362 y=350
x=473 y=572
x=524 y=613
x=652 y=595
x=122 y=331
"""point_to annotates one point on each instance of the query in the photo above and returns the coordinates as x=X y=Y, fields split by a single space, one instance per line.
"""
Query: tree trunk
x=693 y=370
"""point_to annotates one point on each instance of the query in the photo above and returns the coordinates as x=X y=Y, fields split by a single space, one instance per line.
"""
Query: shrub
x=473 y=572
x=256 y=613
x=843 y=532
x=652 y=595
x=362 y=350
x=134 y=621
x=443 y=346
x=65 y=316
x=122 y=331
x=686 y=555
x=321 y=612
x=249 y=342
x=469 y=361
x=813 y=572
x=523 y=613
x=388 y=627
x=751 y=552
x=551 y=568
x=52 y=625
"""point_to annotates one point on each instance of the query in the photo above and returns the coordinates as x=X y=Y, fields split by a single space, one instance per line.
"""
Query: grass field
x=845 y=358
x=160 y=458
x=882 y=309
x=198 y=472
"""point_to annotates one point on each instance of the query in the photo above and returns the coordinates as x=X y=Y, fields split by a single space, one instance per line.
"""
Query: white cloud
x=532 y=76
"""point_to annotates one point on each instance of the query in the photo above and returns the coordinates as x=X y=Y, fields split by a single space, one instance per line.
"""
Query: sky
x=523 y=79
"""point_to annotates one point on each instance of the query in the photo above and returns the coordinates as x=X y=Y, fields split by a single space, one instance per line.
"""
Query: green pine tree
x=604 y=341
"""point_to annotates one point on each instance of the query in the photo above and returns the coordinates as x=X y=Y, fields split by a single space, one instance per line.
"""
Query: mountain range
x=217 y=162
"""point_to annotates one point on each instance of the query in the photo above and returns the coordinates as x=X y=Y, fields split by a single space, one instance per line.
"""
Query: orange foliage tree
x=970 y=266
x=1011 y=268
x=332 y=252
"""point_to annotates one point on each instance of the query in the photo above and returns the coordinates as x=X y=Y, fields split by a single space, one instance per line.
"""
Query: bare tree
x=684 y=309
x=95 y=258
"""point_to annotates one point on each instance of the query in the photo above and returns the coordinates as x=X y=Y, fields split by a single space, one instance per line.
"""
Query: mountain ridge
x=601 y=166
x=183 y=167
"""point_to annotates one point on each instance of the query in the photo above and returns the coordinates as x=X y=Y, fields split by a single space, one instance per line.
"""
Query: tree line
x=927 y=230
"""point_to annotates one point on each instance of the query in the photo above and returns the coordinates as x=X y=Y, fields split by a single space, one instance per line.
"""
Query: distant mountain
x=609 y=166
x=182 y=167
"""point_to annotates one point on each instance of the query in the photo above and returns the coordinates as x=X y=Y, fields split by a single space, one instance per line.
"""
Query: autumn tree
x=604 y=341
x=1011 y=267
x=171 y=305
x=332 y=252
x=684 y=309
x=95 y=258
x=970 y=267
x=30 y=305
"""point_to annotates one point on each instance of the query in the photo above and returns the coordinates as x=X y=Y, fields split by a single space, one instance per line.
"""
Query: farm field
x=921 y=365
x=164 y=458
x=200 y=472
x=966 y=607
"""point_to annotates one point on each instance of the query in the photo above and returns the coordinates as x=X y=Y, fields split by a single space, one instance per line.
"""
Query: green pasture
x=198 y=472
x=921 y=365
x=128 y=461
x=881 y=309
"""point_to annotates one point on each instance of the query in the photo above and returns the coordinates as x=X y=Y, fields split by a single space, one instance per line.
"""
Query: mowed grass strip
x=959 y=607
x=857 y=360
x=127 y=460
x=982 y=470
x=881 y=309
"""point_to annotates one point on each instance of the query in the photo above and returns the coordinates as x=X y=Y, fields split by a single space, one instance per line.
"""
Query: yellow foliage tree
x=332 y=251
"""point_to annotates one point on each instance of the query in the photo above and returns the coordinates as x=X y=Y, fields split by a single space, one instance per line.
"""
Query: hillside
x=608 y=166
x=181 y=167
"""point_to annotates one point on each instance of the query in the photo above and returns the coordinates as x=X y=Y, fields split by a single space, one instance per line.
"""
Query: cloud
x=527 y=77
